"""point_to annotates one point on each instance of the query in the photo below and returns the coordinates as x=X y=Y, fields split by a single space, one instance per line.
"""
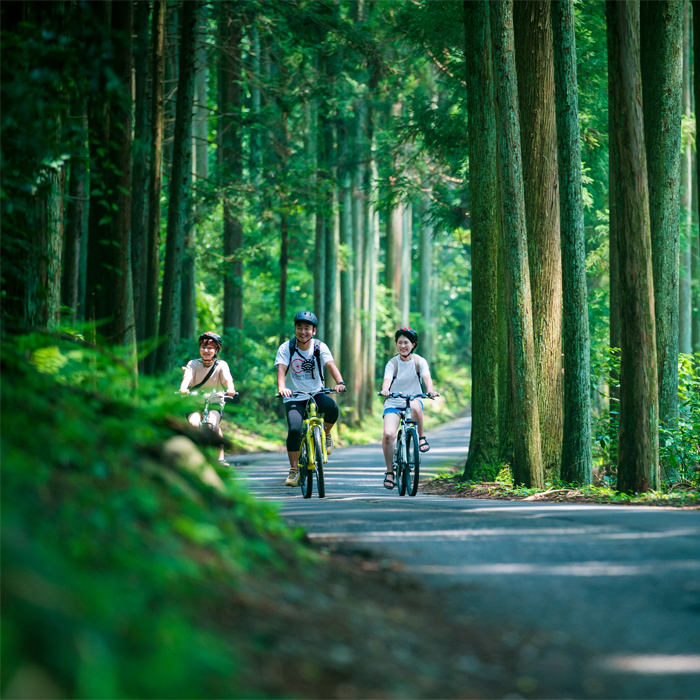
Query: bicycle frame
x=312 y=419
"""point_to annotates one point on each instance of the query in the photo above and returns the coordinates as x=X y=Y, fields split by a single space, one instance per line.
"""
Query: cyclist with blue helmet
x=300 y=364
x=208 y=373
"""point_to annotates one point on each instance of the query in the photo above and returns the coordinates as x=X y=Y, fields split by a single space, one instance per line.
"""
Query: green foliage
x=116 y=560
x=679 y=445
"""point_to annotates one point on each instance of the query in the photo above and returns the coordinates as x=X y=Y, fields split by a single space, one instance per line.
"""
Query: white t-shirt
x=406 y=381
x=195 y=371
x=303 y=374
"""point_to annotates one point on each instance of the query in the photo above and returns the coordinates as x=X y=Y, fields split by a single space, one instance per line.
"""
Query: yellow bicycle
x=313 y=453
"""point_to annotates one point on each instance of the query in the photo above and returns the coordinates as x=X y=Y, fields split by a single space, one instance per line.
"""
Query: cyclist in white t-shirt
x=210 y=374
x=403 y=375
x=300 y=363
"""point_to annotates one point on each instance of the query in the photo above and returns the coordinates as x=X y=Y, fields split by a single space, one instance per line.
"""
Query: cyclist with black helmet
x=209 y=373
x=300 y=366
x=403 y=374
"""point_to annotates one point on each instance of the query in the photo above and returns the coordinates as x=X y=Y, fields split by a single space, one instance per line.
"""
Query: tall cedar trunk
x=425 y=297
x=54 y=240
x=109 y=262
x=179 y=186
x=76 y=217
x=661 y=27
x=170 y=81
x=615 y=208
x=394 y=241
x=485 y=227
x=200 y=171
x=638 y=450
x=232 y=154
x=685 y=295
x=155 y=180
x=256 y=136
x=139 y=194
x=534 y=61
x=347 y=273
x=527 y=457
x=99 y=213
x=406 y=250
x=576 y=459
x=284 y=219
x=358 y=224
x=371 y=265
x=696 y=242
x=332 y=325
x=505 y=379
x=320 y=232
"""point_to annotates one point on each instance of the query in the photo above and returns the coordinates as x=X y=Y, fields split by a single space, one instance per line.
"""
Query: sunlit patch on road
x=652 y=664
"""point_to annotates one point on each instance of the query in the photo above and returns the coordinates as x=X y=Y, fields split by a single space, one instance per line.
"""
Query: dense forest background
x=175 y=167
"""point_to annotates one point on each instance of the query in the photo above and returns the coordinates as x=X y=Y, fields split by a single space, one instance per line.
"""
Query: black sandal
x=389 y=482
x=423 y=442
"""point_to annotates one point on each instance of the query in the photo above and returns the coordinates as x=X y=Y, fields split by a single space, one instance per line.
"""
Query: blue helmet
x=306 y=317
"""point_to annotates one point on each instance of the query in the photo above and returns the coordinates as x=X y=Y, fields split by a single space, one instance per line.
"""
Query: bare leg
x=293 y=459
x=391 y=425
x=417 y=415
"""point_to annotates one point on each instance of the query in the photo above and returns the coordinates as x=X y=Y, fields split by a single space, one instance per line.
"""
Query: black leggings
x=295 y=415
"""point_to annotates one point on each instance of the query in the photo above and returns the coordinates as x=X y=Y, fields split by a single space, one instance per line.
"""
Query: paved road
x=619 y=585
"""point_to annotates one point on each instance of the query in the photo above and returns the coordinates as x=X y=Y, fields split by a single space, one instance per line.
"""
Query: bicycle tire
x=400 y=466
x=412 y=462
x=318 y=458
x=306 y=480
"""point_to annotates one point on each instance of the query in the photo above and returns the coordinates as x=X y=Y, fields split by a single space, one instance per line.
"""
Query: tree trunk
x=534 y=61
x=638 y=450
x=232 y=153
x=527 y=457
x=76 y=217
x=347 y=272
x=685 y=303
x=661 y=27
x=109 y=254
x=577 y=460
x=425 y=298
x=485 y=228
x=332 y=233
x=179 y=186
x=139 y=195
x=406 y=250
x=155 y=181
x=320 y=232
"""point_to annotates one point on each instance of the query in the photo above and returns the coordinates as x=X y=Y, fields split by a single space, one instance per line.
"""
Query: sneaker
x=329 y=443
x=293 y=478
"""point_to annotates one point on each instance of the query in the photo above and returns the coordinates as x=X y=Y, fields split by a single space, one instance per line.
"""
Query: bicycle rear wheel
x=412 y=462
x=318 y=458
x=306 y=480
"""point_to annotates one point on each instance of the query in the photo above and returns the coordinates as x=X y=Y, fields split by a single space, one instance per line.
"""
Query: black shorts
x=295 y=411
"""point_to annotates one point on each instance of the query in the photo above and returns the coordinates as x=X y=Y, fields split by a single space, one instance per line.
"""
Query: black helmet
x=307 y=317
x=408 y=332
x=209 y=335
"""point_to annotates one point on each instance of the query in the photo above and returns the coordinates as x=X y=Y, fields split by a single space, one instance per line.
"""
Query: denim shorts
x=399 y=410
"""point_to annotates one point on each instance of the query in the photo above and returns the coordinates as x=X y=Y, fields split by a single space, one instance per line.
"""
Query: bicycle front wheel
x=306 y=479
x=401 y=464
x=412 y=470
x=318 y=458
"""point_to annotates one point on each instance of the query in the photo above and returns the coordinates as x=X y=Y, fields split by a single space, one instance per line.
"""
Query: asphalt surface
x=609 y=594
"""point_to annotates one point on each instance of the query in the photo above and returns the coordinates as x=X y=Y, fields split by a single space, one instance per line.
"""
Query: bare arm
x=281 y=374
x=333 y=369
x=186 y=381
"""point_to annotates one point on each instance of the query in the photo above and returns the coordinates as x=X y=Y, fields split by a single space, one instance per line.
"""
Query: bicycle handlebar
x=408 y=397
x=324 y=390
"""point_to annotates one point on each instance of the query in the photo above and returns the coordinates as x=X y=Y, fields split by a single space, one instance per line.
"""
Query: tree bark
x=425 y=297
x=232 y=153
x=485 y=228
x=76 y=216
x=638 y=449
x=577 y=460
x=534 y=61
x=527 y=457
x=661 y=28
x=155 y=181
x=406 y=255
x=179 y=187
x=139 y=195
x=685 y=294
